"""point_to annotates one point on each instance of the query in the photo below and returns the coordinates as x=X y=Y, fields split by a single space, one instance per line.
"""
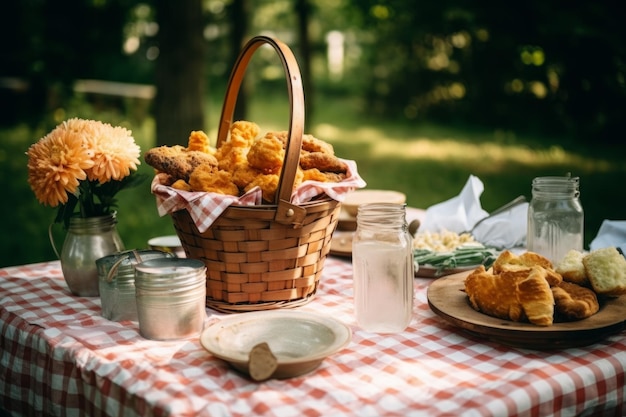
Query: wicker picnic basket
x=266 y=256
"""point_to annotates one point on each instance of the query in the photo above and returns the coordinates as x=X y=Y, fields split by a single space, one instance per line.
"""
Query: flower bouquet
x=80 y=166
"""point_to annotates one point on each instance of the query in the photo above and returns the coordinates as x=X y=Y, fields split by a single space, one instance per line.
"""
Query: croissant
x=518 y=297
x=574 y=302
x=508 y=262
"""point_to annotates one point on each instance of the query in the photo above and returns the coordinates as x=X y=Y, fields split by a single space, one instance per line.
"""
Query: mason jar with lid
x=555 y=217
x=382 y=258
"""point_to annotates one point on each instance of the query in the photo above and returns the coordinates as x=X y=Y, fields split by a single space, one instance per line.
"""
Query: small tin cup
x=116 y=282
x=171 y=298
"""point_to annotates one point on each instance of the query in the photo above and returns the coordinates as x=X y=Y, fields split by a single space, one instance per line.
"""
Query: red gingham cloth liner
x=205 y=207
x=60 y=357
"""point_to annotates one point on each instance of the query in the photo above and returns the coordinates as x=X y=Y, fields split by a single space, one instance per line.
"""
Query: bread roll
x=572 y=269
x=606 y=271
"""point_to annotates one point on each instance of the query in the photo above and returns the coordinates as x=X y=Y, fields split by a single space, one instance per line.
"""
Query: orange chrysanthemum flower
x=115 y=154
x=56 y=164
x=75 y=159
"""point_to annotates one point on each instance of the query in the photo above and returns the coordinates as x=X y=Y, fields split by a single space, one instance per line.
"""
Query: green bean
x=460 y=257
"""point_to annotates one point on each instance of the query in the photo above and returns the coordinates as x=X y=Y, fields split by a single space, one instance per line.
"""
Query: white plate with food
x=438 y=254
x=298 y=340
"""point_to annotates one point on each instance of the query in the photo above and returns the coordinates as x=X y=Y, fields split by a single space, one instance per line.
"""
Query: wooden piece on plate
x=263 y=363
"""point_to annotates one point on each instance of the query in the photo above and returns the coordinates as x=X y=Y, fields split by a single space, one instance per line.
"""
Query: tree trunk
x=303 y=11
x=179 y=104
x=239 y=20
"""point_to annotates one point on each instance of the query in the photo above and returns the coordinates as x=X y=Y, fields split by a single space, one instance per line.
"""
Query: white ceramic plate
x=170 y=244
x=300 y=340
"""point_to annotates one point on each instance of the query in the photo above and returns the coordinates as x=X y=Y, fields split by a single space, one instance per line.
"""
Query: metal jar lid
x=169 y=274
x=119 y=268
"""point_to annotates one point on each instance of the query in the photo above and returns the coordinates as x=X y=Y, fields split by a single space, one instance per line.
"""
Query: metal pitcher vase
x=87 y=240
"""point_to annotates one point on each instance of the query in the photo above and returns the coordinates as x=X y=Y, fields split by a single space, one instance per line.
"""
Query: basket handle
x=286 y=212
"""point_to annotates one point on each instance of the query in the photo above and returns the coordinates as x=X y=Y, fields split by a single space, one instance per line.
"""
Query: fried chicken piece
x=322 y=161
x=245 y=132
x=244 y=174
x=282 y=136
x=267 y=154
x=312 y=144
x=315 y=174
x=199 y=141
x=210 y=179
x=230 y=156
x=177 y=161
x=309 y=142
x=181 y=185
x=232 y=153
x=268 y=184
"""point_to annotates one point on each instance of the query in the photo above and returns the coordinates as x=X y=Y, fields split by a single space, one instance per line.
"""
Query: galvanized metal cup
x=171 y=298
x=116 y=282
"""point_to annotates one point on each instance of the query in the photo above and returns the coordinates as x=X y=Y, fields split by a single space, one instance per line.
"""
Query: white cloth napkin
x=504 y=230
x=461 y=213
x=611 y=233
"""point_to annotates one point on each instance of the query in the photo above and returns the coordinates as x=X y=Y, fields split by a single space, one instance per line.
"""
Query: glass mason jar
x=87 y=240
x=382 y=259
x=555 y=217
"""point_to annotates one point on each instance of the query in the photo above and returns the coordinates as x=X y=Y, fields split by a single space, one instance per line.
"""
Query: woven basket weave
x=267 y=256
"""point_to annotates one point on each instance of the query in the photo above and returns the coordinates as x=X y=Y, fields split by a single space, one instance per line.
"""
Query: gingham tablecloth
x=59 y=356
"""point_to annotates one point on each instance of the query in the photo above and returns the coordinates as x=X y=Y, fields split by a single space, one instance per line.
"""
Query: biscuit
x=606 y=271
x=572 y=269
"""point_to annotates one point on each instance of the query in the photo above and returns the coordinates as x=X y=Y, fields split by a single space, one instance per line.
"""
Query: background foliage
x=424 y=94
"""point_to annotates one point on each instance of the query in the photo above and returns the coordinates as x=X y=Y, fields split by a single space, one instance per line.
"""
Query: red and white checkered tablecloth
x=59 y=356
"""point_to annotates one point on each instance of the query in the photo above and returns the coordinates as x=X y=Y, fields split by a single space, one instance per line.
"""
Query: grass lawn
x=430 y=163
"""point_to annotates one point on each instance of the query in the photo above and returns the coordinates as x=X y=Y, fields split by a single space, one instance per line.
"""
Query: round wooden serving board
x=447 y=299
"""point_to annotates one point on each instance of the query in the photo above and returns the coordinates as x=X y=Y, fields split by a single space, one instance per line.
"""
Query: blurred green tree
x=179 y=107
x=551 y=67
